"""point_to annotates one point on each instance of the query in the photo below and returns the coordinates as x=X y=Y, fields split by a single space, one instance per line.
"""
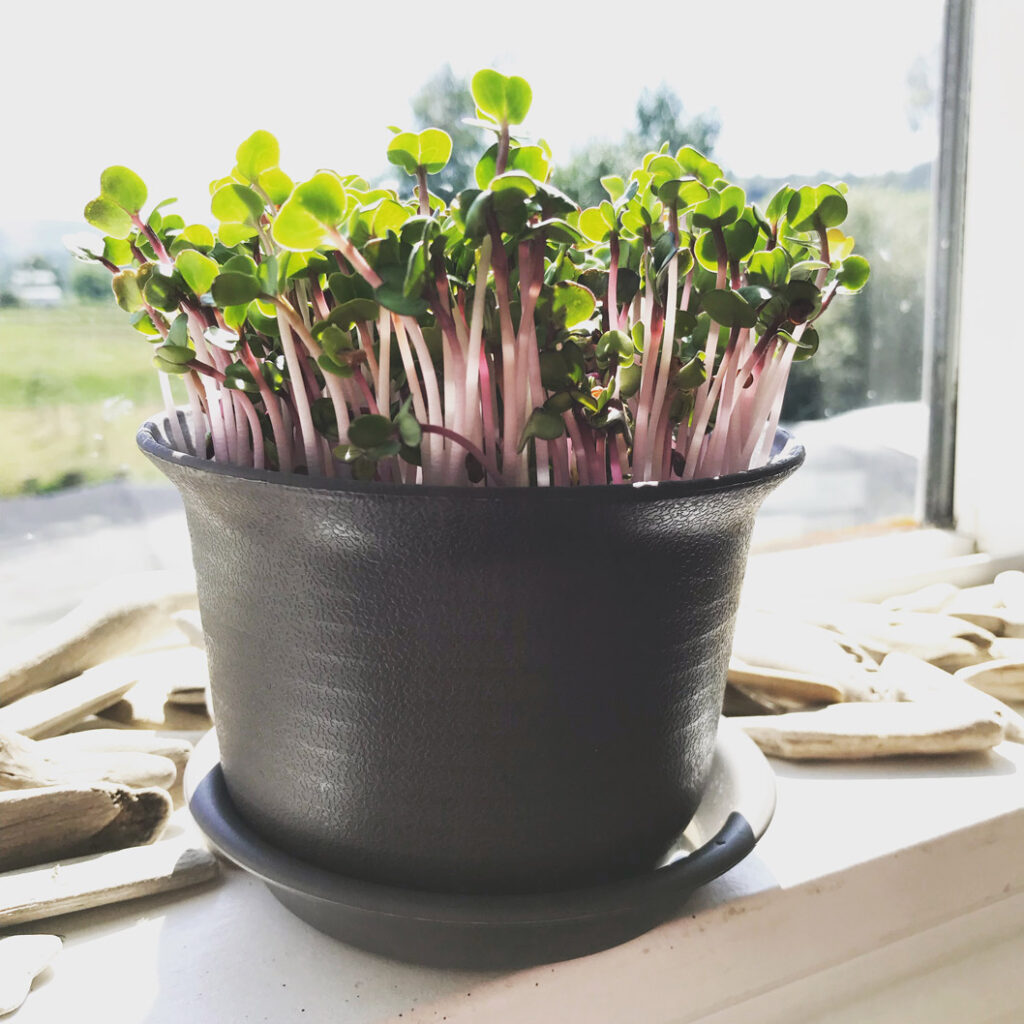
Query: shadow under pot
x=476 y=690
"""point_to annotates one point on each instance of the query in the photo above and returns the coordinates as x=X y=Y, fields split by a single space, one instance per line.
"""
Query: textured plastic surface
x=465 y=689
x=488 y=932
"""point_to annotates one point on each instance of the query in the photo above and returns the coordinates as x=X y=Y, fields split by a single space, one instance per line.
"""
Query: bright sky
x=170 y=89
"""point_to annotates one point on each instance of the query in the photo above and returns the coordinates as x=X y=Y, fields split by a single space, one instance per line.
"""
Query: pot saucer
x=493 y=932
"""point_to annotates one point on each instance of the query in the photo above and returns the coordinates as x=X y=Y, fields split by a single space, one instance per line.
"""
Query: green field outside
x=75 y=384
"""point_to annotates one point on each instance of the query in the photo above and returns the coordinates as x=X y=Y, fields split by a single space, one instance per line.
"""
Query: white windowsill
x=884 y=892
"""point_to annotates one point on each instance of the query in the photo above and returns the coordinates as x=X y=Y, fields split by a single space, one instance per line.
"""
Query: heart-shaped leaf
x=571 y=303
x=237 y=204
x=544 y=424
x=276 y=184
x=123 y=187
x=127 y=291
x=728 y=308
x=505 y=99
x=106 y=216
x=832 y=206
x=233 y=289
x=257 y=154
x=370 y=430
x=198 y=271
x=435 y=149
x=853 y=274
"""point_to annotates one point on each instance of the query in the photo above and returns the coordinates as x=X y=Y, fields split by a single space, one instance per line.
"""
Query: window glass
x=794 y=91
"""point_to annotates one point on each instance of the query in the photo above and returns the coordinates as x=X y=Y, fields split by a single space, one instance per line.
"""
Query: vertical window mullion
x=942 y=313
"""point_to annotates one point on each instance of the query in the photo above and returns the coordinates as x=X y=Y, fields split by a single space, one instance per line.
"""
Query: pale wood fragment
x=784 y=688
x=188 y=697
x=932 y=598
x=738 y=701
x=22 y=959
x=38 y=825
x=1013 y=624
x=52 y=889
x=1008 y=649
x=1010 y=586
x=191 y=627
x=943 y=640
x=915 y=680
x=147 y=705
x=785 y=644
x=28 y=764
x=875 y=729
x=981 y=606
x=1003 y=678
x=145 y=708
x=53 y=711
x=106 y=740
x=119 y=616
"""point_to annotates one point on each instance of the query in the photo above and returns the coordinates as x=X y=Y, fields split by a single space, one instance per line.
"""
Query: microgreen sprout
x=332 y=328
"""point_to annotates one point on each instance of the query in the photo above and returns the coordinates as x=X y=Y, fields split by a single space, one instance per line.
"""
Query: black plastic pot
x=461 y=689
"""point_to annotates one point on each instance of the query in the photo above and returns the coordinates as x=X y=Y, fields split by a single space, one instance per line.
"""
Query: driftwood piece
x=915 y=680
x=932 y=598
x=943 y=640
x=1008 y=649
x=147 y=705
x=191 y=697
x=803 y=651
x=116 y=618
x=1013 y=624
x=983 y=606
x=143 y=710
x=53 y=889
x=29 y=764
x=109 y=741
x=53 y=711
x=1003 y=679
x=22 y=959
x=191 y=627
x=738 y=701
x=870 y=730
x=1010 y=587
x=38 y=825
x=782 y=688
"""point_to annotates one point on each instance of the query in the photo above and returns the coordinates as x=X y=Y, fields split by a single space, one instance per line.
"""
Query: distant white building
x=34 y=287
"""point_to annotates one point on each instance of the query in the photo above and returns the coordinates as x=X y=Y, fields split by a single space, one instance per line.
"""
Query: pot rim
x=787 y=455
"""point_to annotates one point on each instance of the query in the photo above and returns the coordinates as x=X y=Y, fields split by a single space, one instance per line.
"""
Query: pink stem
x=258 y=454
x=214 y=405
x=531 y=279
x=579 y=451
x=488 y=404
x=475 y=357
x=198 y=418
x=384 y=364
x=613 y=460
x=560 y=461
x=418 y=404
x=773 y=419
x=282 y=441
x=353 y=255
x=366 y=343
x=434 y=404
x=485 y=460
x=307 y=432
